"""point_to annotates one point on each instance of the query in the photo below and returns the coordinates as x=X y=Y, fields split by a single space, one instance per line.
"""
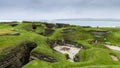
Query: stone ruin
x=93 y=42
x=67 y=42
x=42 y=57
x=57 y=25
x=18 y=56
x=50 y=25
x=47 y=32
x=60 y=25
x=66 y=46
x=98 y=34
x=67 y=30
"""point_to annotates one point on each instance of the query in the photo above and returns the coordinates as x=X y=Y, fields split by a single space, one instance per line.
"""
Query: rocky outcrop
x=18 y=56
x=67 y=43
x=54 y=43
x=93 y=42
x=57 y=25
x=77 y=59
x=60 y=25
x=47 y=32
x=43 y=57
x=98 y=34
x=50 y=25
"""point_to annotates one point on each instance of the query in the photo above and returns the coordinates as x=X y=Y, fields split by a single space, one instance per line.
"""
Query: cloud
x=14 y=9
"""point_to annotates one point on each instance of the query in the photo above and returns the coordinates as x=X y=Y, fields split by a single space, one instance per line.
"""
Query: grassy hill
x=93 y=55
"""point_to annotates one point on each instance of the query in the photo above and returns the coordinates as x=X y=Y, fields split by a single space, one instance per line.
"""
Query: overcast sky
x=55 y=9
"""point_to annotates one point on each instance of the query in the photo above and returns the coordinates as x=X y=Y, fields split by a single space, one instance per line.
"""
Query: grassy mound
x=93 y=55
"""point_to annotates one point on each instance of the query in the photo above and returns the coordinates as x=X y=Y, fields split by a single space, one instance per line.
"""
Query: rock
x=93 y=42
x=113 y=47
x=47 y=31
x=114 y=57
x=66 y=43
x=44 y=57
x=18 y=56
x=67 y=57
x=50 y=25
x=13 y=24
x=107 y=43
x=60 y=25
x=98 y=34
x=77 y=59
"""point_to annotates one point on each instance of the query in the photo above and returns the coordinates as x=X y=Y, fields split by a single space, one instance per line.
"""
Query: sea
x=90 y=23
x=78 y=22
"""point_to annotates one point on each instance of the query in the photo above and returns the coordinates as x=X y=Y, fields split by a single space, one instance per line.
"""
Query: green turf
x=93 y=56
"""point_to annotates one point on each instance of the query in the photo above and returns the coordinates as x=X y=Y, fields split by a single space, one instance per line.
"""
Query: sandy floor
x=71 y=51
x=116 y=48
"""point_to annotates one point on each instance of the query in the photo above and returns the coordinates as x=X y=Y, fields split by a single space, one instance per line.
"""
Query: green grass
x=94 y=55
x=114 y=37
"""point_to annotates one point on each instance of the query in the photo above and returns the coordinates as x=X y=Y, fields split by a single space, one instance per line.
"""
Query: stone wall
x=62 y=43
x=47 y=32
x=18 y=56
x=98 y=33
x=60 y=25
x=43 y=57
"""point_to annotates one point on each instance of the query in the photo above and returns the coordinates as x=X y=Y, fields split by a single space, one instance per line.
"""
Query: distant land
x=64 y=19
x=88 y=19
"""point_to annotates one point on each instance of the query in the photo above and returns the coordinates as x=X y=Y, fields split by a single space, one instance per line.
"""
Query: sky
x=59 y=9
